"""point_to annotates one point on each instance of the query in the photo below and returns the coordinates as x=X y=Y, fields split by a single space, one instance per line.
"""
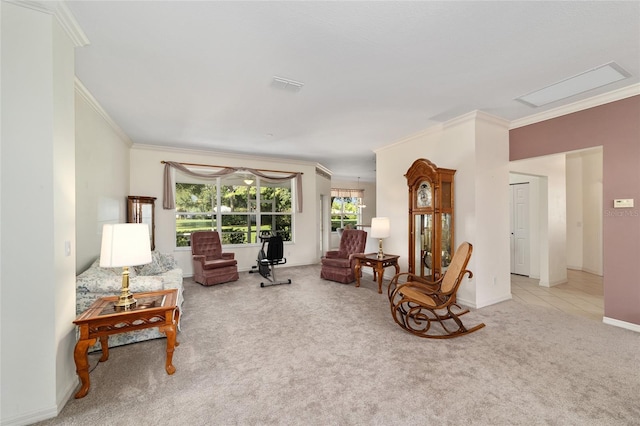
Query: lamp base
x=380 y=253
x=126 y=301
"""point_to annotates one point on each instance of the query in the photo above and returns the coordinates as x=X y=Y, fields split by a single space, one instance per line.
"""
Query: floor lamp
x=125 y=245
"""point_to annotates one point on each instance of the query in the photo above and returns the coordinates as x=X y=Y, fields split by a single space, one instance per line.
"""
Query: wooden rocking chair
x=417 y=303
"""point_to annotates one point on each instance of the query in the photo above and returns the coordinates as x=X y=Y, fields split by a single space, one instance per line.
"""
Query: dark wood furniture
x=378 y=265
x=100 y=320
x=431 y=213
x=418 y=303
x=143 y=210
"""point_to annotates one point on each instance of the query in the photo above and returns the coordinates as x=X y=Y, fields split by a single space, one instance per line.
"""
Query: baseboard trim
x=484 y=303
x=30 y=418
x=44 y=414
x=621 y=324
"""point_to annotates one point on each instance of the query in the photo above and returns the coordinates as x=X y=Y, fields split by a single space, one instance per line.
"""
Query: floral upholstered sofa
x=162 y=273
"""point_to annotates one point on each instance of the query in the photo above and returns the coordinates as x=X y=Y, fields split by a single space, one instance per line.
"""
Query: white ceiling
x=199 y=74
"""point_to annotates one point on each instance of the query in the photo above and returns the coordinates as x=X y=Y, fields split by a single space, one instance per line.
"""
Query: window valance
x=345 y=192
x=169 y=202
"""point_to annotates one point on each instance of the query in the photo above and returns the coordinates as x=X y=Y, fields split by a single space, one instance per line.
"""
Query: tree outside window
x=238 y=206
x=346 y=210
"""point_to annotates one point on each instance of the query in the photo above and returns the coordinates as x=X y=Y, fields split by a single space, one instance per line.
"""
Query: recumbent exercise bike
x=267 y=261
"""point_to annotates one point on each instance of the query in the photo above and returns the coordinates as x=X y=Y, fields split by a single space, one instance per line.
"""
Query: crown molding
x=477 y=115
x=605 y=98
x=84 y=92
x=436 y=128
x=235 y=155
x=63 y=15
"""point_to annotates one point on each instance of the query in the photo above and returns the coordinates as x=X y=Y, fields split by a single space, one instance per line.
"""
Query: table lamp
x=380 y=228
x=125 y=245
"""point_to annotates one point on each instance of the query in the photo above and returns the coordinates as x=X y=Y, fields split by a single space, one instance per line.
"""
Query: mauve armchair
x=338 y=265
x=210 y=265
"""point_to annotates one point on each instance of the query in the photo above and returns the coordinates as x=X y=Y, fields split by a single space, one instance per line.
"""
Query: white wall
x=476 y=146
x=146 y=174
x=102 y=175
x=37 y=196
x=575 y=221
x=552 y=215
x=323 y=191
x=592 y=249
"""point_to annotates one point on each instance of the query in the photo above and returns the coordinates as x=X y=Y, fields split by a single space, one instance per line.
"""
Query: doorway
x=519 y=214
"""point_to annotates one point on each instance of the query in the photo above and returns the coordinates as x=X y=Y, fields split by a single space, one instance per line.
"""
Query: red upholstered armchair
x=339 y=265
x=210 y=265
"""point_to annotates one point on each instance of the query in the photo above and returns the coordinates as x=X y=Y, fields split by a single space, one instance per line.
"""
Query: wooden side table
x=100 y=320
x=378 y=265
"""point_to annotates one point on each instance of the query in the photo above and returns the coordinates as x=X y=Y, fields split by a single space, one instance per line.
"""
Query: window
x=346 y=208
x=238 y=206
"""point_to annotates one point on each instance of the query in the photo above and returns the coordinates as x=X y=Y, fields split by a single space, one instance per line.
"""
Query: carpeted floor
x=322 y=353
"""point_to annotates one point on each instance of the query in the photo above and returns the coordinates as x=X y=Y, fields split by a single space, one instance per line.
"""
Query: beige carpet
x=322 y=353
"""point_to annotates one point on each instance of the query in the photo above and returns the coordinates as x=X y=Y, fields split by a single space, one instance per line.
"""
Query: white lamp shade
x=380 y=227
x=125 y=244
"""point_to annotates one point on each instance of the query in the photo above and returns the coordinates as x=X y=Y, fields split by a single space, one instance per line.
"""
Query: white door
x=519 y=228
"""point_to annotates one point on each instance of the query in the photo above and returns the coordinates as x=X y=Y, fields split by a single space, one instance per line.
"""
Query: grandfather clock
x=430 y=218
x=143 y=210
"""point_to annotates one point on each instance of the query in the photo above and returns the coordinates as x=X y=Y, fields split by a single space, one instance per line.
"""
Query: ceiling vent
x=286 y=84
x=583 y=82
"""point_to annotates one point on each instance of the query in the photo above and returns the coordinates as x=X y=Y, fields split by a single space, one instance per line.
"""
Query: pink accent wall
x=615 y=126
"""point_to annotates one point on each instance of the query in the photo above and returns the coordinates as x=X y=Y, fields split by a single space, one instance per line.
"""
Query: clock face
x=424 y=194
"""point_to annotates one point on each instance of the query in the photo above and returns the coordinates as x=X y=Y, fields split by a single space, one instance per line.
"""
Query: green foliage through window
x=237 y=210
x=344 y=212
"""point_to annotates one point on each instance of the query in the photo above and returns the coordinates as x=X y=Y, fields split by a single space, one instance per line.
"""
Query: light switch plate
x=620 y=203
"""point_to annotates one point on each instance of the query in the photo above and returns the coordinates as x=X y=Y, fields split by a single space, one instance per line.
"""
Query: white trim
x=63 y=15
x=174 y=149
x=84 y=92
x=32 y=417
x=621 y=324
x=472 y=303
x=429 y=130
x=605 y=98
x=477 y=115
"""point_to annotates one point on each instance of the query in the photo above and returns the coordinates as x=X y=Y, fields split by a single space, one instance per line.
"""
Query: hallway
x=582 y=295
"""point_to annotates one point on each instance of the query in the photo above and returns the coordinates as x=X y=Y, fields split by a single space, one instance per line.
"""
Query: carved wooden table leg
x=82 y=365
x=357 y=272
x=170 y=331
x=104 y=344
x=379 y=269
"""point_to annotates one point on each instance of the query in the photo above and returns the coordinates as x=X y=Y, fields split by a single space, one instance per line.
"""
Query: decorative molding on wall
x=477 y=115
x=437 y=128
x=84 y=92
x=323 y=171
x=605 y=98
x=62 y=14
x=210 y=153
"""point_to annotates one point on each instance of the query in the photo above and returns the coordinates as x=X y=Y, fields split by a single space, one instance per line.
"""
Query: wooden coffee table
x=378 y=265
x=100 y=320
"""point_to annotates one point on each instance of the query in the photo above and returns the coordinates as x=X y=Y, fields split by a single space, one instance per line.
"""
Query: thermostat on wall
x=620 y=203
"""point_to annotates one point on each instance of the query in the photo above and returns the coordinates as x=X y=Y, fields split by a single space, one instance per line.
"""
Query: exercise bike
x=266 y=261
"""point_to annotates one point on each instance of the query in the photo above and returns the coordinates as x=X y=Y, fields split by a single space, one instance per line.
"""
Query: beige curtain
x=344 y=192
x=169 y=202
